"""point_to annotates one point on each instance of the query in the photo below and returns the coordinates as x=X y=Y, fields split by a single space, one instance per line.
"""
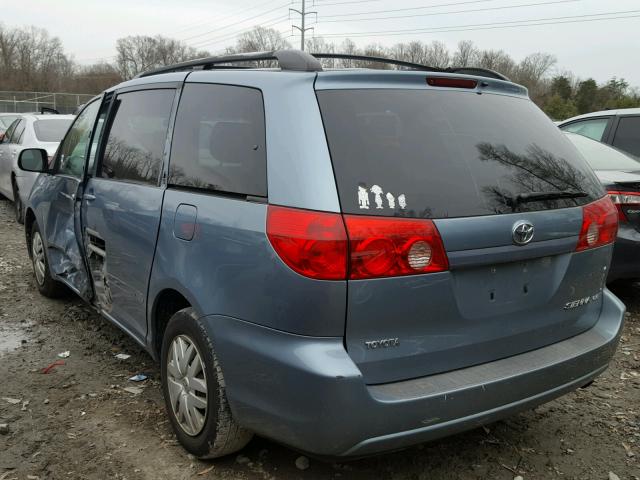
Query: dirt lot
x=79 y=422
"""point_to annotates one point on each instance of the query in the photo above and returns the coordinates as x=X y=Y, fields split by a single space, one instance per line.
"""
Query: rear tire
x=17 y=204
x=47 y=286
x=194 y=390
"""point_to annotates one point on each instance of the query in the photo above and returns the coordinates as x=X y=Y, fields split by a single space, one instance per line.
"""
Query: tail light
x=624 y=199
x=317 y=245
x=599 y=224
x=388 y=247
x=314 y=244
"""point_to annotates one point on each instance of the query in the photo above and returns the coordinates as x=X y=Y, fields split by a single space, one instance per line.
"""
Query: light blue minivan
x=345 y=261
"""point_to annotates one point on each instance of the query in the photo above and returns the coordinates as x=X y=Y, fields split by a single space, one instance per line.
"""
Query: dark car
x=344 y=261
x=620 y=176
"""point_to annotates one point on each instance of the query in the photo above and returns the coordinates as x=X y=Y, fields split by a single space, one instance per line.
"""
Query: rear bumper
x=625 y=263
x=307 y=393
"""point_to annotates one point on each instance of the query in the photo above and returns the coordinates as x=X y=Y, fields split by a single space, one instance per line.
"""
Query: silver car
x=27 y=131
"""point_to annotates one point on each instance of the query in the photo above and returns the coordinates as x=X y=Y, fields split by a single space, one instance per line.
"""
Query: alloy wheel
x=37 y=252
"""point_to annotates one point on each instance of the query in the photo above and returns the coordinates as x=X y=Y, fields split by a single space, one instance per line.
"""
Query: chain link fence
x=23 y=102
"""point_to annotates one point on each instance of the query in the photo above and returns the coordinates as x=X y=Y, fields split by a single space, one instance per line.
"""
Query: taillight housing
x=599 y=224
x=389 y=247
x=314 y=244
x=328 y=246
x=621 y=199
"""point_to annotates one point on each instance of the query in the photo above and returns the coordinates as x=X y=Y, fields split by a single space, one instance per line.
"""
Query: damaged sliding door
x=62 y=223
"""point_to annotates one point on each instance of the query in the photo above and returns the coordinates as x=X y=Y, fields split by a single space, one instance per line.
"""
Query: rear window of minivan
x=442 y=153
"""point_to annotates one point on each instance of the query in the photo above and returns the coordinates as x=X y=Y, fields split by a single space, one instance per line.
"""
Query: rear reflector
x=599 y=224
x=316 y=244
x=622 y=199
x=451 y=82
x=389 y=247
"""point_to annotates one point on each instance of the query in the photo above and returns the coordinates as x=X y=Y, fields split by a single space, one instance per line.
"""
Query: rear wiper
x=538 y=196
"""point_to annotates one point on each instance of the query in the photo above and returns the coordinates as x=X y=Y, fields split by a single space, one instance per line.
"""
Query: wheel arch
x=29 y=220
x=166 y=303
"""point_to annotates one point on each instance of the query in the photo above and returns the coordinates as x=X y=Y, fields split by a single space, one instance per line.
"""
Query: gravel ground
x=79 y=421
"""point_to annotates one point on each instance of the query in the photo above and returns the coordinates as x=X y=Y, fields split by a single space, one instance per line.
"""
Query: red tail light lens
x=387 y=247
x=622 y=199
x=599 y=224
x=314 y=244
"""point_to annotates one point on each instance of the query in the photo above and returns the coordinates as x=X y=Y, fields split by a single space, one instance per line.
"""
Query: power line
x=454 y=12
x=229 y=35
x=236 y=12
x=410 y=9
x=491 y=25
x=237 y=23
x=347 y=3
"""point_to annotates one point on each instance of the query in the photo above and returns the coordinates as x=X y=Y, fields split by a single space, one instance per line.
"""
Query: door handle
x=89 y=197
x=70 y=196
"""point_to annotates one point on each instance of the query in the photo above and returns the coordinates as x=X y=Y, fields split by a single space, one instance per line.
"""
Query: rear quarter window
x=219 y=140
x=51 y=130
x=438 y=154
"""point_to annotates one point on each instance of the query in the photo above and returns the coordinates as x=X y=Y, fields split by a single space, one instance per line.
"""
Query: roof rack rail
x=367 y=58
x=299 y=61
x=480 y=72
x=295 y=60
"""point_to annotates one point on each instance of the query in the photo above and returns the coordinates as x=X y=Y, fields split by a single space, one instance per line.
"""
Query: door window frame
x=108 y=123
x=55 y=170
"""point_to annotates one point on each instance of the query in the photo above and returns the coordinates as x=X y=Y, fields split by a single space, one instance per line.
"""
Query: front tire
x=194 y=390
x=47 y=286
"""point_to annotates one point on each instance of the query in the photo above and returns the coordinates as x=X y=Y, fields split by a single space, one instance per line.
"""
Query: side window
x=219 y=140
x=593 y=128
x=136 y=139
x=628 y=135
x=73 y=151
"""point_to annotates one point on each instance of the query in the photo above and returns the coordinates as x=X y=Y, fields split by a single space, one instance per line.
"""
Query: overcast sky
x=590 y=48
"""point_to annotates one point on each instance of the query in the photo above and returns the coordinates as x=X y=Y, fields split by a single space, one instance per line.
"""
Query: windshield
x=7 y=120
x=442 y=153
x=51 y=130
x=601 y=156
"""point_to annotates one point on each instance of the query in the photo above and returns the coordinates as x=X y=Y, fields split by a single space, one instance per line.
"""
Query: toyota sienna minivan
x=344 y=261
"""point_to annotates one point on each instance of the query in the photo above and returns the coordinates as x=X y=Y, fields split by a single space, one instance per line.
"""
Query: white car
x=27 y=131
x=618 y=128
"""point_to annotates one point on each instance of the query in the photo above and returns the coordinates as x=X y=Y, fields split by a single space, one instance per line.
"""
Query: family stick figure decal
x=378 y=199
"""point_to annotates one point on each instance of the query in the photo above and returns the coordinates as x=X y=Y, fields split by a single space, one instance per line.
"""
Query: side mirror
x=33 y=160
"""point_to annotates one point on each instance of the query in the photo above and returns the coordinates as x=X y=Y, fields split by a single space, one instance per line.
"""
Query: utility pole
x=303 y=16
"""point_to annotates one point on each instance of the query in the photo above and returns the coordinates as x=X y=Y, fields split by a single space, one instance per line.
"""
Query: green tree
x=587 y=96
x=561 y=86
x=559 y=108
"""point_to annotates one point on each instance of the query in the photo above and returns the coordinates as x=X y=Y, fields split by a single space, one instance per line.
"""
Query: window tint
x=628 y=135
x=219 y=140
x=51 y=130
x=427 y=153
x=589 y=128
x=73 y=151
x=137 y=136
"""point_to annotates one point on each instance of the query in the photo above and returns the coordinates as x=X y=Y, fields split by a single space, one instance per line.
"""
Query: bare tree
x=466 y=55
x=437 y=55
x=136 y=54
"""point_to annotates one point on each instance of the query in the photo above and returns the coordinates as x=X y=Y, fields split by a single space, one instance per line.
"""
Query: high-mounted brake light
x=624 y=199
x=317 y=245
x=599 y=224
x=451 y=82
